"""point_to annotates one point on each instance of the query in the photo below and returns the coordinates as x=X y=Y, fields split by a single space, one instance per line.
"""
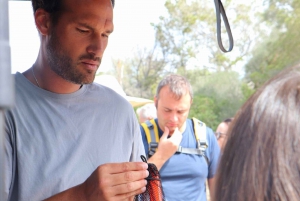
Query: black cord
x=221 y=11
x=143 y=158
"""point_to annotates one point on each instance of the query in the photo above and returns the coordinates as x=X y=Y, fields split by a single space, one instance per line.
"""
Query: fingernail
x=145 y=165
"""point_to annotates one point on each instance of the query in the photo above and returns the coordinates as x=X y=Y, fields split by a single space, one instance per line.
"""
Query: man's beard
x=63 y=65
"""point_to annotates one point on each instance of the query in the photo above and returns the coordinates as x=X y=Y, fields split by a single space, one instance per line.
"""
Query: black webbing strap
x=221 y=11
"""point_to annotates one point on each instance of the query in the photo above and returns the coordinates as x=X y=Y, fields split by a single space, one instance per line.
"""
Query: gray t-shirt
x=55 y=141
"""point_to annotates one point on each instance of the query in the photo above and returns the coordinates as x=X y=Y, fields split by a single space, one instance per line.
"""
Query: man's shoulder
x=101 y=88
x=191 y=123
x=209 y=134
x=105 y=92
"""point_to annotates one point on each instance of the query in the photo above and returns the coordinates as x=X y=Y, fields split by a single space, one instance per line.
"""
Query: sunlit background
x=132 y=20
x=153 y=38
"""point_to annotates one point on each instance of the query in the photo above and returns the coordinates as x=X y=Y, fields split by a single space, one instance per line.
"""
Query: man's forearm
x=157 y=160
x=211 y=185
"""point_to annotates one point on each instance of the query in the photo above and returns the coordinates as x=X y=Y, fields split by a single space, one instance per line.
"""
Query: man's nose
x=97 y=45
x=174 y=117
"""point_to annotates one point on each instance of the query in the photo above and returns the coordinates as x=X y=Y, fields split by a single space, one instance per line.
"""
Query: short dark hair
x=51 y=6
x=228 y=120
x=261 y=157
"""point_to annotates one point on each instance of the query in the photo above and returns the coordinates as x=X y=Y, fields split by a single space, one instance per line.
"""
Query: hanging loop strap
x=221 y=11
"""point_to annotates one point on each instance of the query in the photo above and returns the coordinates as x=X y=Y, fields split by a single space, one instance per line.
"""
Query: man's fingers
x=176 y=134
x=129 y=196
x=112 y=179
x=165 y=134
x=176 y=137
x=114 y=174
x=114 y=168
x=127 y=177
x=130 y=189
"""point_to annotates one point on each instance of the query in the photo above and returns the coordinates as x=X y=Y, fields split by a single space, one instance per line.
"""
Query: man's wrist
x=158 y=160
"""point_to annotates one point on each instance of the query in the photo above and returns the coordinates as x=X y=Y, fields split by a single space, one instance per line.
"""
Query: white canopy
x=111 y=82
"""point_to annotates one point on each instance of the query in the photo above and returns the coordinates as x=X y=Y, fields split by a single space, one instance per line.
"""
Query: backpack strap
x=200 y=134
x=188 y=150
x=151 y=131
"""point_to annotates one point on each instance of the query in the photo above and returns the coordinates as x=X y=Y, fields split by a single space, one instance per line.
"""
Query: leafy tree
x=282 y=47
x=247 y=90
x=226 y=91
x=186 y=44
x=187 y=36
x=142 y=73
x=203 y=108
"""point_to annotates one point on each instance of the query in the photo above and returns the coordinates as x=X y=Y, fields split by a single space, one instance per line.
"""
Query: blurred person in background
x=186 y=152
x=146 y=112
x=221 y=132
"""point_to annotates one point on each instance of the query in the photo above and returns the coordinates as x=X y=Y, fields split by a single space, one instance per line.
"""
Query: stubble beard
x=63 y=65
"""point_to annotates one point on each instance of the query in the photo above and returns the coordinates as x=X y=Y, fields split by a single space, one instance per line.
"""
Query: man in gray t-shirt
x=68 y=138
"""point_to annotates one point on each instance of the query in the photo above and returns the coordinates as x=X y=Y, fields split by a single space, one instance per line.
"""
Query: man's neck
x=51 y=82
x=183 y=127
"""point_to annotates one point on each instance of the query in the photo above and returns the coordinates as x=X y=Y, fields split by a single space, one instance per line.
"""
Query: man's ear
x=42 y=21
x=155 y=101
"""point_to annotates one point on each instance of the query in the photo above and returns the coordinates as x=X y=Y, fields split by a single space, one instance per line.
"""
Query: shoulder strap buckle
x=151 y=131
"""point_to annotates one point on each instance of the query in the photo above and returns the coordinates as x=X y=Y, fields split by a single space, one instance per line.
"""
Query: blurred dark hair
x=53 y=7
x=261 y=157
x=228 y=120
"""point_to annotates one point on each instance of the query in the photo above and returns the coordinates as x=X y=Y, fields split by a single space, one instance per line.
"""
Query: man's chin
x=81 y=81
x=89 y=78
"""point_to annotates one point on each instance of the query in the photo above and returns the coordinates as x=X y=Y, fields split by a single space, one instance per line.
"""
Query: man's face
x=77 y=42
x=171 y=111
x=222 y=129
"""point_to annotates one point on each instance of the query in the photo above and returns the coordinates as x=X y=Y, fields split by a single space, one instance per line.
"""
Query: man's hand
x=166 y=147
x=110 y=182
x=116 y=181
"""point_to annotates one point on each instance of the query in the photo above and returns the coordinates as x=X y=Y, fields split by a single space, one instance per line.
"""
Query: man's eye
x=105 y=35
x=82 y=30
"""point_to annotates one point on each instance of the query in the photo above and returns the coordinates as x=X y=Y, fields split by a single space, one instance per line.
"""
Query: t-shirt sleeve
x=214 y=153
x=138 y=146
x=8 y=156
x=145 y=142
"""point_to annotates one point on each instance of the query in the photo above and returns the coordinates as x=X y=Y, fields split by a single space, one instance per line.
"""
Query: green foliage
x=266 y=40
x=142 y=74
x=281 y=48
x=247 y=90
x=203 y=108
x=189 y=32
x=217 y=95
